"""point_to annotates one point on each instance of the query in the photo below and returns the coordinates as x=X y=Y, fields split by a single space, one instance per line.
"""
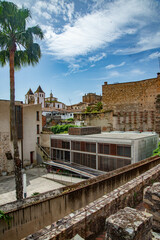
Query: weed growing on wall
x=61 y=128
x=157 y=150
x=5 y=217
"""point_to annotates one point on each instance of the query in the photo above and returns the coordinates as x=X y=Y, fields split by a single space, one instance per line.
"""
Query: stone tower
x=39 y=96
x=29 y=97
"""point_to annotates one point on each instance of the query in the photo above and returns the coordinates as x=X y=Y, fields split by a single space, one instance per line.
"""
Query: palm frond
x=34 y=53
x=36 y=30
x=13 y=33
x=3 y=40
x=4 y=57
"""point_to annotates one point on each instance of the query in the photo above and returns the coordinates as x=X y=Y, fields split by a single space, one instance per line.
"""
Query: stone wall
x=6 y=158
x=31 y=214
x=90 y=221
x=91 y=98
x=135 y=105
x=104 y=120
x=131 y=95
x=135 y=120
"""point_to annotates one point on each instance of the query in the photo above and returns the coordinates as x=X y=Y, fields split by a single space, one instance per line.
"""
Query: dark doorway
x=31 y=157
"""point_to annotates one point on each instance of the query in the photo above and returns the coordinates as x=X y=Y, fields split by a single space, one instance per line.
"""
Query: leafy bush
x=95 y=109
x=5 y=217
x=61 y=128
x=157 y=150
x=35 y=193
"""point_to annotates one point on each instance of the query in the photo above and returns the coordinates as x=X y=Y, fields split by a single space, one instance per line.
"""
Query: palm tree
x=17 y=47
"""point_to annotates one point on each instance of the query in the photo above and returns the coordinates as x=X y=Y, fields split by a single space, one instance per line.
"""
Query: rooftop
x=107 y=136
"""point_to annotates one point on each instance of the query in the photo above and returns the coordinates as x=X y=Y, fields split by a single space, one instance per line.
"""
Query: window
x=123 y=150
x=76 y=146
x=37 y=115
x=37 y=129
x=38 y=142
x=103 y=148
x=65 y=144
x=127 y=151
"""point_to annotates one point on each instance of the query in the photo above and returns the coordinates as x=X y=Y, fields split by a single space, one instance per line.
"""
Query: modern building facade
x=29 y=126
x=105 y=151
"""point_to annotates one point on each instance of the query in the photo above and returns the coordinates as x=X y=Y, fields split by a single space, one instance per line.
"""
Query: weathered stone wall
x=104 y=120
x=135 y=120
x=6 y=165
x=90 y=220
x=91 y=98
x=131 y=95
x=31 y=214
x=129 y=223
x=151 y=199
x=136 y=105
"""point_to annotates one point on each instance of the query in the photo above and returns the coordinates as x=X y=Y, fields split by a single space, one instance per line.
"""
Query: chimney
x=158 y=75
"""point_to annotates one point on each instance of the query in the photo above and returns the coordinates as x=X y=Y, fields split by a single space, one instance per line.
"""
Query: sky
x=87 y=43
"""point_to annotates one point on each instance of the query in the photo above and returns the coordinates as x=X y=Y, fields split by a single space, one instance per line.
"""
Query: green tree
x=99 y=106
x=17 y=47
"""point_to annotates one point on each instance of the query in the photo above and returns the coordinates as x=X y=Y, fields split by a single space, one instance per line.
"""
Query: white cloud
x=154 y=55
x=115 y=66
x=99 y=28
x=147 y=42
x=114 y=74
x=97 y=57
x=137 y=72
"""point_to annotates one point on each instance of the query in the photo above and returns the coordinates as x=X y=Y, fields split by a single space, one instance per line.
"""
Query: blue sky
x=87 y=43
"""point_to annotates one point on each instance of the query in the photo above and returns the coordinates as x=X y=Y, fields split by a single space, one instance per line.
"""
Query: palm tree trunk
x=17 y=161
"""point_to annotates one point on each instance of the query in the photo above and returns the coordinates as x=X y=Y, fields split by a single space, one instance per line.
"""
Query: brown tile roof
x=39 y=89
x=29 y=92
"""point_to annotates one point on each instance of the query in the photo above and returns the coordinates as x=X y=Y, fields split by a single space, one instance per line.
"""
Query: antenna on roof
x=70 y=101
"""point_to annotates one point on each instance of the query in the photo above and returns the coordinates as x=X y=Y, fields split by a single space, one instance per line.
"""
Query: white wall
x=30 y=130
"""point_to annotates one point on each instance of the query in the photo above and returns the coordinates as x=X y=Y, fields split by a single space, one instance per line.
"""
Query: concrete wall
x=30 y=130
x=32 y=214
x=45 y=139
x=28 y=144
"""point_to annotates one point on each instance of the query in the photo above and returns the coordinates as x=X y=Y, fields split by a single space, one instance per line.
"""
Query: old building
x=135 y=105
x=104 y=151
x=29 y=126
x=92 y=98
x=39 y=97
x=78 y=107
x=36 y=98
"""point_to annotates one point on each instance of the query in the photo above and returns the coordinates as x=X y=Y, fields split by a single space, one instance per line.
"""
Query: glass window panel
x=120 y=162
x=83 y=146
x=127 y=151
x=93 y=147
x=120 y=150
x=106 y=148
x=87 y=147
x=100 y=147
x=113 y=149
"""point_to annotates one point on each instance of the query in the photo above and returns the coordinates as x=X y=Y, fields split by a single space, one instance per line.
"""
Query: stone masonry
x=91 y=219
x=151 y=201
x=6 y=160
x=129 y=224
x=135 y=105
